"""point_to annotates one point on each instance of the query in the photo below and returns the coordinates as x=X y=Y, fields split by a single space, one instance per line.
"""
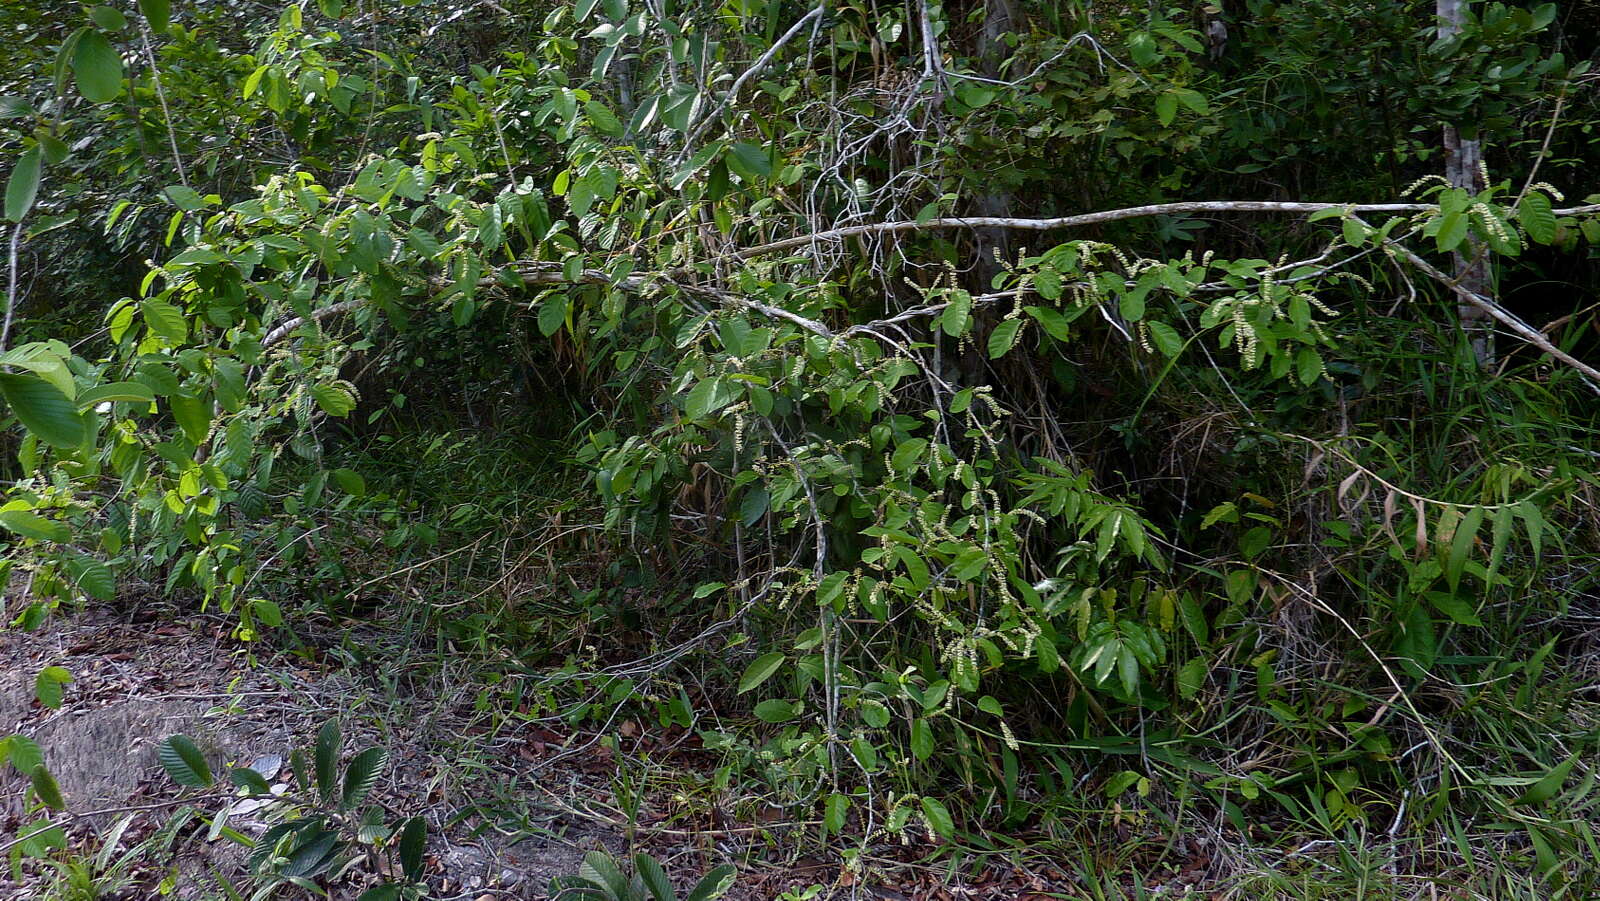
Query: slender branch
x=11 y=289
x=1096 y=218
x=282 y=330
x=738 y=83
x=1528 y=333
x=161 y=95
x=542 y=273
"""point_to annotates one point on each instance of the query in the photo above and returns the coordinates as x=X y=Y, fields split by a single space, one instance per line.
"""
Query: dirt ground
x=509 y=803
x=137 y=679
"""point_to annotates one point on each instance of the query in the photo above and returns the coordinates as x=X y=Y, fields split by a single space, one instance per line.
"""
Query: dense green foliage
x=971 y=527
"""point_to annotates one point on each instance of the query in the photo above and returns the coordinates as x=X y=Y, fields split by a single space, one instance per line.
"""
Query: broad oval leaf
x=713 y=885
x=116 y=392
x=759 y=671
x=97 y=68
x=92 y=577
x=249 y=780
x=32 y=525
x=776 y=711
x=164 y=319
x=650 y=872
x=938 y=817
x=23 y=185
x=43 y=409
x=158 y=13
x=327 y=758
x=183 y=762
x=45 y=787
x=413 y=841
x=47 y=686
x=1537 y=218
x=362 y=774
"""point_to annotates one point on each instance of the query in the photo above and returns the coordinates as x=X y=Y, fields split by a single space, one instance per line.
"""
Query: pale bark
x=1463 y=162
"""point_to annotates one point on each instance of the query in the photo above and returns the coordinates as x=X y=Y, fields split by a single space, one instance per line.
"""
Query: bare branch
x=1136 y=212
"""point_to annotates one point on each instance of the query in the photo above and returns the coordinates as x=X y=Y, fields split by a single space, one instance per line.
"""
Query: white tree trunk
x=1463 y=167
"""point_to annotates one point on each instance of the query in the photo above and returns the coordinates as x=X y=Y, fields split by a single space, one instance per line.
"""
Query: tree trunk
x=1463 y=164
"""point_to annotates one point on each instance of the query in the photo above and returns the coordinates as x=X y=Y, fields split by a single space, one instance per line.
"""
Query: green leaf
x=249 y=780
x=193 y=415
x=1191 y=678
x=23 y=753
x=158 y=13
x=184 y=198
x=362 y=774
x=710 y=395
x=603 y=119
x=1537 y=218
x=23 y=185
x=776 y=711
x=164 y=319
x=97 y=68
x=183 y=762
x=335 y=400
x=837 y=808
x=45 y=787
x=748 y=161
x=1003 y=338
x=938 y=817
x=92 y=577
x=908 y=455
x=654 y=878
x=116 y=392
x=921 y=739
x=47 y=686
x=1452 y=231
x=43 y=409
x=1308 y=366
x=108 y=18
x=969 y=564
x=552 y=314
x=267 y=613
x=1165 y=338
x=1166 y=108
x=759 y=671
x=1458 y=609
x=413 y=841
x=958 y=315
x=350 y=482
x=712 y=885
x=1461 y=544
x=32 y=525
x=1549 y=785
x=327 y=758
x=600 y=869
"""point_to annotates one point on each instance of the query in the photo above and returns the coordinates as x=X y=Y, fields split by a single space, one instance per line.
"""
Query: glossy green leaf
x=184 y=762
x=938 y=818
x=158 y=13
x=1537 y=218
x=759 y=671
x=23 y=185
x=32 y=525
x=43 y=409
x=46 y=789
x=361 y=774
x=326 y=758
x=116 y=392
x=164 y=319
x=97 y=67
x=413 y=842
x=47 y=685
